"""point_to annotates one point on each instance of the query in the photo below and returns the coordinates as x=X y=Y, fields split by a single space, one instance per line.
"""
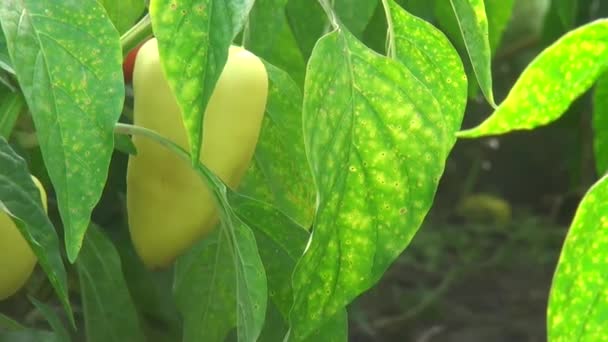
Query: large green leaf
x=578 y=309
x=427 y=53
x=124 y=13
x=109 y=312
x=600 y=124
x=279 y=173
x=68 y=59
x=377 y=140
x=220 y=284
x=473 y=23
x=193 y=41
x=281 y=242
x=547 y=87
x=20 y=197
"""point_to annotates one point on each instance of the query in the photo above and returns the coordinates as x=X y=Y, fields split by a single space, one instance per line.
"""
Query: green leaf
x=5 y=61
x=220 y=283
x=377 y=140
x=68 y=59
x=124 y=13
x=109 y=312
x=281 y=242
x=355 y=14
x=11 y=105
x=567 y=10
x=307 y=21
x=193 y=42
x=600 y=124
x=551 y=82
x=428 y=55
x=21 y=200
x=499 y=14
x=124 y=144
x=279 y=173
x=269 y=37
x=577 y=307
x=473 y=23
x=54 y=321
x=7 y=323
x=29 y=335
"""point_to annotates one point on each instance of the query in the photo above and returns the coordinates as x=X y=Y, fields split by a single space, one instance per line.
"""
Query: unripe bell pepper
x=17 y=260
x=169 y=206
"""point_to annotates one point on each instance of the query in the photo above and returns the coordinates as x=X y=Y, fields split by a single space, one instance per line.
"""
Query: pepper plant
x=366 y=100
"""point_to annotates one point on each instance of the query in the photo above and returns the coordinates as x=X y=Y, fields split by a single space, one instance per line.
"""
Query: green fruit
x=17 y=260
x=169 y=206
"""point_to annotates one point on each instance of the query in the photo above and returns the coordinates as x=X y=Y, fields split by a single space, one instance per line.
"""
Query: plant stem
x=333 y=20
x=136 y=34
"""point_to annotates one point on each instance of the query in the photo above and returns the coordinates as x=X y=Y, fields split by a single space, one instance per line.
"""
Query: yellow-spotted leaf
x=429 y=56
x=376 y=140
x=193 y=40
x=578 y=309
x=551 y=82
x=67 y=58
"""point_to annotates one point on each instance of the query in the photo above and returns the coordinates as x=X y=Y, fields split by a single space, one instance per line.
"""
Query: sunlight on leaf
x=577 y=305
x=193 y=41
x=600 y=124
x=68 y=59
x=551 y=82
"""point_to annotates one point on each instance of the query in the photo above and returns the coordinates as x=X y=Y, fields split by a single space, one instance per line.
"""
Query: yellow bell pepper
x=17 y=260
x=169 y=206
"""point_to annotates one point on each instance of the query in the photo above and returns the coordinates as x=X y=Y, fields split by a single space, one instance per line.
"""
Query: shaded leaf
x=270 y=38
x=193 y=42
x=473 y=23
x=355 y=14
x=577 y=307
x=279 y=173
x=20 y=197
x=220 y=283
x=281 y=243
x=7 y=323
x=307 y=21
x=11 y=105
x=600 y=124
x=68 y=59
x=551 y=82
x=109 y=312
x=123 y=13
x=370 y=127
x=567 y=10
x=29 y=335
